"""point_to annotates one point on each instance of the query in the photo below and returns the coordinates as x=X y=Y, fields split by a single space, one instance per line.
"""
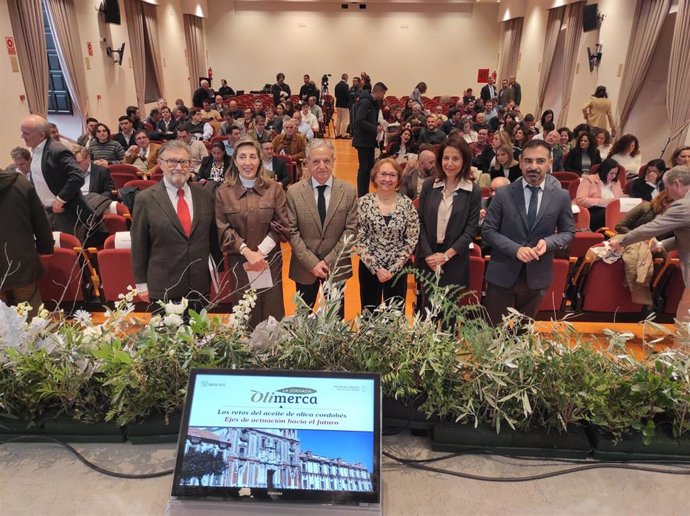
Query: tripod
x=327 y=107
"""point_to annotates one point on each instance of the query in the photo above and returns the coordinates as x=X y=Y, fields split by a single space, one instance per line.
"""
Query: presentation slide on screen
x=282 y=402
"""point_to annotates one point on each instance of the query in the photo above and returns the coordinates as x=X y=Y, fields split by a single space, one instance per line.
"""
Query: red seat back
x=115 y=267
x=114 y=223
x=141 y=184
x=553 y=299
x=477 y=267
x=604 y=289
x=583 y=241
x=63 y=277
x=120 y=179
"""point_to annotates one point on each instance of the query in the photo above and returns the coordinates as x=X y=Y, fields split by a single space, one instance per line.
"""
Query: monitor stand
x=182 y=507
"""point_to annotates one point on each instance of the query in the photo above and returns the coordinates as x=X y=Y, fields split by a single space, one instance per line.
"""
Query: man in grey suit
x=322 y=211
x=173 y=231
x=525 y=223
x=675 y=219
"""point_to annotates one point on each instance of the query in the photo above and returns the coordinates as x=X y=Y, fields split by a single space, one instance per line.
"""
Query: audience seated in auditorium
x=125 y=136
x=21 y=161
x=273 y=165
x=197 y=149
x=202 y=93
x=208 y=113
x=260 y=133
x=85 y=139
x=546 y=117
x=581 y=158
x=416 y=172
x=454 y=121
x=225 y=90
x=302 y=126
x=597 y=190
x=198 y=128
x=603 y=140
x=431 y=133
x=506 y=165
x=681 y=157
x=279 y=118
x=134 y=117
x=166 y=125
x=97 y=178
x=233 y=107
x=215 y=166
x=552 y=138
x=626 y=152
x=520 y=136
x=103 y=150
x=290 y=142
x=233 y=137
x=649 y=180
x=144 y=154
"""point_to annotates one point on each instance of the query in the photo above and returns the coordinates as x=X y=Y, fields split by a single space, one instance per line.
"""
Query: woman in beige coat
x=251 y=215
x=597 y=110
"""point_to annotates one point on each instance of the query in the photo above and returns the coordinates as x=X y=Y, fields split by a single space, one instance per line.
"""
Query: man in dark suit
x=525 y=223
x=517 y=89
x=167 y=125
x=276 y=167
x=488 y=91
x=57 y=178
x=322 y=211
x=125 y=137
x=173 y=232
x=365 y=123
x=203 y=92
x=97 y=179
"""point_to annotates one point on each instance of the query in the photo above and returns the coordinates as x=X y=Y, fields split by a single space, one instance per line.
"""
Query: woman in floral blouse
x=388 y=229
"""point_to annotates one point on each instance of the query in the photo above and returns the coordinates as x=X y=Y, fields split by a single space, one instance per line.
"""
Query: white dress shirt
x=47 y=197
x=528 y=194
x=326 y=193
x=87 y=181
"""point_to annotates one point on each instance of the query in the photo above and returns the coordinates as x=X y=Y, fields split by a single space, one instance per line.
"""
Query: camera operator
x=308 y=89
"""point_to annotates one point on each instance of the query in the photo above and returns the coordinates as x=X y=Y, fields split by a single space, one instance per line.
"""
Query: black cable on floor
x=45 y=438
x=604 y=465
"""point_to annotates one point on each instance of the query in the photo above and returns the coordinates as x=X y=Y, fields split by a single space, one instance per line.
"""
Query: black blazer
x=64 y=178
x=171 y=128
x=206 y=164
x=641 y=189
x=573 y=161
x=485 y=94
x=282 y=174
x=100 y=182
x=463 y=226
x=514 y=173
x=365 y=122
x=126 y=143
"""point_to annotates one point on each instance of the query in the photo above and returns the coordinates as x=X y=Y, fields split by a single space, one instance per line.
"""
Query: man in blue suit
x=526 y=222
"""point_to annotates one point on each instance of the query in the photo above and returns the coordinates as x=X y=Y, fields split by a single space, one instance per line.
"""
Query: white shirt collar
x=525 y=184
x=463 y=184
x=315 y=183
x=39 y=148
x=172 y=188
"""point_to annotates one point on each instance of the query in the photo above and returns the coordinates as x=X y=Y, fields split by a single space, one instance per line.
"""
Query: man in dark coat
x=97 y=179
x=57 y=178
x=365 y=124
x=173 y=232
x=25 y=233
x=203 y=92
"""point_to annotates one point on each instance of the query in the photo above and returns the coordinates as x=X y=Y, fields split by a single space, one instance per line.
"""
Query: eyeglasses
x=173 y=163
x=388 y=174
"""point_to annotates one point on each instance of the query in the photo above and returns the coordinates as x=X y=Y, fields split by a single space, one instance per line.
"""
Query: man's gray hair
x=680 y=173
x=318 y=143
x=20 y=153
x=174 y=145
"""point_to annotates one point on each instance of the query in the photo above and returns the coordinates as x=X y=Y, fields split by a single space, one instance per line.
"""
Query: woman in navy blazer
x=449 y=216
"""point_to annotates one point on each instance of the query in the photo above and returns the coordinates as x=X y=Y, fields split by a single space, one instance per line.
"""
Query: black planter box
x=154 y=429
x=11 y=427
x=456 y=437
x=630 y=447
x=72 y=431
x=405 y=415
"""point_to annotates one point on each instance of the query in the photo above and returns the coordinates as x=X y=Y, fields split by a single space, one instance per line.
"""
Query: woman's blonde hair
x=262 y=177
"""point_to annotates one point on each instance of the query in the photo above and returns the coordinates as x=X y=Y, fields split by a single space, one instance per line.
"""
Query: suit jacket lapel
x=196 y=204
x=519 y=199
x=310 y=203
x=336 y=197
x=161 y=196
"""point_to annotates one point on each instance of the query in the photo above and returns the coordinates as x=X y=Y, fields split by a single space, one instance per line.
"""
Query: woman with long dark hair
x=214 y=166
x=649 y=181
x=597 y=190
x=626 y=152
x=585 y=154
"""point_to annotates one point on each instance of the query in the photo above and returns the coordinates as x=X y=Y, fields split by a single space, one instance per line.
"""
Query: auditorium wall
x=443 y=44
x=110 y=87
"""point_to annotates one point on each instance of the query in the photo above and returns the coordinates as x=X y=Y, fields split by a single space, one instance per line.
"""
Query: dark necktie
x=533 y=203
x=321 y=205
x=183 y=212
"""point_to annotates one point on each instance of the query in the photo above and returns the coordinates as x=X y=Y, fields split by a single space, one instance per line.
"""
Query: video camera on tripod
x=324 y=80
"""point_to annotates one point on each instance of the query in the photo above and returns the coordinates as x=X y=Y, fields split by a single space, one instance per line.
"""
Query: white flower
x=11 y=326
x=38 y=324
x=176 y=308
x=83 y=317
x=173 y=320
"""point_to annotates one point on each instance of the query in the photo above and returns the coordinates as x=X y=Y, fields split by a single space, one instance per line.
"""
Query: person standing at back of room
x=364 y=134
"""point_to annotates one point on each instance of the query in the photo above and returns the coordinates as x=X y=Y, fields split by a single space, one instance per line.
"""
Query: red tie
x=183 y=212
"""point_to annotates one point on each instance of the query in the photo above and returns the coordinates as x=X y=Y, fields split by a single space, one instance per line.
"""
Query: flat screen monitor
x=281 y=436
